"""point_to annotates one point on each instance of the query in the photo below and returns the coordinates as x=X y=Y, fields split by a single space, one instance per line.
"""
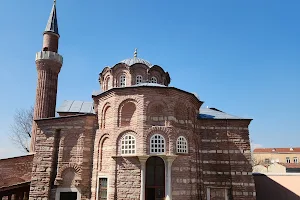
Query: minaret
x=48 y=64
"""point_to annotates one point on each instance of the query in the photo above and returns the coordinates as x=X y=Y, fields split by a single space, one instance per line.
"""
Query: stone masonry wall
x=124 y=172
x=218 y=160
x=48 y=173
x=225 y=157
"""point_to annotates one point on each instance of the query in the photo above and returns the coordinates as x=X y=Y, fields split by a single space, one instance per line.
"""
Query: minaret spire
x=52 y=25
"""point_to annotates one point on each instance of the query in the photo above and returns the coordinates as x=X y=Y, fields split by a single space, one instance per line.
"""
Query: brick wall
x=70 y=140
x=218 y=157
x=219 y=150
x=15 y=170
x=225 y=156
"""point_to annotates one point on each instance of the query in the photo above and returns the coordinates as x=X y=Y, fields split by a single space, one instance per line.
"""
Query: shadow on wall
x=267 y=188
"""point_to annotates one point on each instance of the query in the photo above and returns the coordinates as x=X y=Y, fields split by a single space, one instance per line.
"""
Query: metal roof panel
x=208 y=113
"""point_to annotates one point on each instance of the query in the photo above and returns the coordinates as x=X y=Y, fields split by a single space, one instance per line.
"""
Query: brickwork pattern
x=46 y=90
x=15 y=170
x=218 y=150
x=74 y=151
x=110 y=77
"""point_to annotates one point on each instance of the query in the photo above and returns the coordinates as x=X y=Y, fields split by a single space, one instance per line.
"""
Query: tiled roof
x=291 y=165
x=277 y=150
x=71 y=106
x=15 y=171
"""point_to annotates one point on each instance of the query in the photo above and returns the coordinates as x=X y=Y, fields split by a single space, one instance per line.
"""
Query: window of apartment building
x=157 y=144
x=128 y=145
x=267 y=161
x=102 y=190
x=288 y=160
x=139 y=79
x=295 y=159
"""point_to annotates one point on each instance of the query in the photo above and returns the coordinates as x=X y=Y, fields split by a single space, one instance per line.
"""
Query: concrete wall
x=277 y=186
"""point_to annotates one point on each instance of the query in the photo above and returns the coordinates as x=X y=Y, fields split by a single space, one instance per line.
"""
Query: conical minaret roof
x=52 y=25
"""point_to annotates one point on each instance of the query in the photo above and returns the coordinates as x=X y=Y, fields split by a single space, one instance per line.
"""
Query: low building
x=276 y=173
x=278 y=155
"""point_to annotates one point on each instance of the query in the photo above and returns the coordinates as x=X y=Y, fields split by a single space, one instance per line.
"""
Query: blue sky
x=239 y=56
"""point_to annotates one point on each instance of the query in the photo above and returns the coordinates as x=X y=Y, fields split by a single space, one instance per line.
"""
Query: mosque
x=137 y=139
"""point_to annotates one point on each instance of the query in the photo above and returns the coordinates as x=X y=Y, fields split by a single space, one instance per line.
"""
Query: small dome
x=134 y=60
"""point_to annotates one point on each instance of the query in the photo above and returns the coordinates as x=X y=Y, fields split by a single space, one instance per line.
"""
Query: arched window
x=153 y=79
x=139 y=79
x=122 y=80
x=107 y=84
x=157 y=144
x=128 y=144
x=182 y=145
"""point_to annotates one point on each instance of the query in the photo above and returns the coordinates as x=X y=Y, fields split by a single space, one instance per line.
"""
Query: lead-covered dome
x=135 y=60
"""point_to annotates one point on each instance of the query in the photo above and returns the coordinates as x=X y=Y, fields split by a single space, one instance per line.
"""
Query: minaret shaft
x=48 y=64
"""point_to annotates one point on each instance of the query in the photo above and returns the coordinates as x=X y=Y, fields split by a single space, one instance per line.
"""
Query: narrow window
x=295 y=159
x=102 y=192
x=288 y=160
x=122 y=81
x=128 y=145
x=107 y=85
x=157 y=144
x=153 y=79
x=182 y=146
x=267 y=161
x=138 y=79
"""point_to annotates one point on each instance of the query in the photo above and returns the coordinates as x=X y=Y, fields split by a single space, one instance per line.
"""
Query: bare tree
x=20 y=129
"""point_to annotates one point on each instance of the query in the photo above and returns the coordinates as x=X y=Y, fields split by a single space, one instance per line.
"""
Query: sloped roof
x=291 y=165
x=71 y=106
x=15 y=171
x=277 y=150
x=212 y=113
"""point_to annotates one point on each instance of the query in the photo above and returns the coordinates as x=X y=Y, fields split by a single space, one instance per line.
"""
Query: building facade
x=276 y=160
x=276 y=155
x=138 y=138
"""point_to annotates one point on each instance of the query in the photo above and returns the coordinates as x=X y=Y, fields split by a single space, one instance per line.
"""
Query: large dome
x=134 y=60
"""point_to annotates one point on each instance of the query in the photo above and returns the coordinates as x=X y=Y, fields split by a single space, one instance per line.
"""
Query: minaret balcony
x=49 y=55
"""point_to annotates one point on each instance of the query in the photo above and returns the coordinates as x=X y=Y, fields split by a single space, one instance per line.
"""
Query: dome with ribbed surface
x=135 y=60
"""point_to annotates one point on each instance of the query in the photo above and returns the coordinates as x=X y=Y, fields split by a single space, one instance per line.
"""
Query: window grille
x=128 y=145
x=182 y=145
x=122 y=81
x=102 y=193
x=139 y=79
x=157 y=144
x=153 y=80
